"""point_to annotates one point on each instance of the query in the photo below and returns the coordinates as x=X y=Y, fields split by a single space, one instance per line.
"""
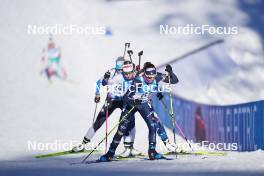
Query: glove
x=159 y=95
x=97 y=98
x=168 y=69
x=137 y=102
x=107 y=75
x=137 y=68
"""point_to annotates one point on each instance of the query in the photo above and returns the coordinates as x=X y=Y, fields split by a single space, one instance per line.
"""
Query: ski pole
x=122 y=119
x=95 y=112
x=130 y=52
x=171 y=111
x=106 y=117
x=139 y=58
x=127 y=45
x=177 y=125
x=106 y=123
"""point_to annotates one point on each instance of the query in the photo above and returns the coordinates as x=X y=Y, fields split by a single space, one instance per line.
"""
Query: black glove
x=107 y=75
x=159 y=95
x=168 y=69
x=97 y=99
x=137 y=102
x=137 y=68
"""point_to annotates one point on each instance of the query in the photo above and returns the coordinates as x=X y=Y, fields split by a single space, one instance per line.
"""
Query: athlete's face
x=119 y=70
x=149 y=78
x=129 y=75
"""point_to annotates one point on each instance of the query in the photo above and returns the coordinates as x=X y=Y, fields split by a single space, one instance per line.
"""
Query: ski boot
x=126 y=152
x=81 y=147
x=78 y=148
x=154 y=155
x=171 y=147
x=107 y=157
x=130 y=152
x=134 y=152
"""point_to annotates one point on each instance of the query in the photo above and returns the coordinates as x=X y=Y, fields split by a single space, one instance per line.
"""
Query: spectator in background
x=200 y=133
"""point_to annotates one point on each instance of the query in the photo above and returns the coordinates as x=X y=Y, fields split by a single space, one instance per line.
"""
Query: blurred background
x=32 y=108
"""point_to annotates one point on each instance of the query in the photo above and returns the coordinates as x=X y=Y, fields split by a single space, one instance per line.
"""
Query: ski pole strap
x=121 y=120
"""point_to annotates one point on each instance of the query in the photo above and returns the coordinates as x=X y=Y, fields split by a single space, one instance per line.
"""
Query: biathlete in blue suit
x=138 y=97
x=118 y=80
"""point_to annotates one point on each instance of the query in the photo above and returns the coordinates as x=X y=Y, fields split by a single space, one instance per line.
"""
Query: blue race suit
x=117 y=88
x=139 y=97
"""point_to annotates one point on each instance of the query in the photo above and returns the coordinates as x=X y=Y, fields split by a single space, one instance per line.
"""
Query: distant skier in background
x=52 y=58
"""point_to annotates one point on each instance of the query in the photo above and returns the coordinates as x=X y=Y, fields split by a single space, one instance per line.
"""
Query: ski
x=198 y=153
x=116 y=159
x=98 y=161
x=127 y=159
x=162 y=158
x=68 y=152
x=142 y=158
x=131 y=157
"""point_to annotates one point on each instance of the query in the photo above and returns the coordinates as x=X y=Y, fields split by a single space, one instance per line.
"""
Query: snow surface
x=33 y=110
x=232 y=164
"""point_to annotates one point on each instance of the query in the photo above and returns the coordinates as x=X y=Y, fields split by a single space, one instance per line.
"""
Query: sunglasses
x=127 y=73
x=151 y=77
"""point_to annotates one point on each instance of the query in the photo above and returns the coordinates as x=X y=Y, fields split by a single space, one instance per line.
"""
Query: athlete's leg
x=146 y=112
x=126 y=118
x=100 y=119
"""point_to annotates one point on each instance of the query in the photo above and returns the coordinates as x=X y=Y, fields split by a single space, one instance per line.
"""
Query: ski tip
x=78 y=163
x=162 y=158
x=98 y=161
